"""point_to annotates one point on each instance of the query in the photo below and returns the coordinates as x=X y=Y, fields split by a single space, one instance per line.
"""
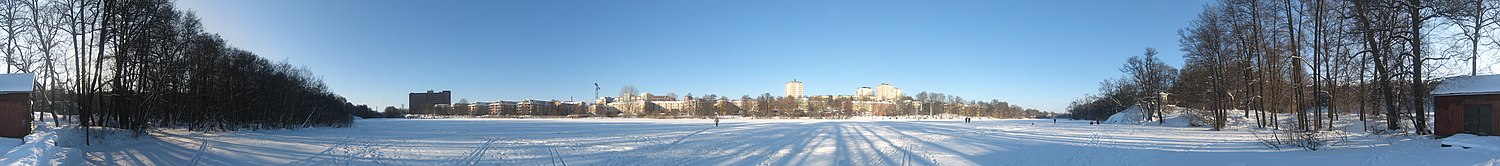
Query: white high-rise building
x=864 y=91
x=794 y=89
x=899 y=93
x=886 y=91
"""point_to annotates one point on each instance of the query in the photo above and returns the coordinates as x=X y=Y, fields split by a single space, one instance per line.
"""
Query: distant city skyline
x=1036 y=54
x=791 y=88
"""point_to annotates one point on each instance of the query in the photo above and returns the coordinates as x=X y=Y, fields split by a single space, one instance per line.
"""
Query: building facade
x=422 y=103
x=15 y=104
x=1467 y=104
x=535 y=107
x=794 y=89
x=632 y=108
x=460 y=108
x=673 y=107
x=503 y=108
x=603 y=110
x=480 y=108
x=565 y=108
x=886 y=91
x=864 y=91
x=650 y=97
x=605 y=100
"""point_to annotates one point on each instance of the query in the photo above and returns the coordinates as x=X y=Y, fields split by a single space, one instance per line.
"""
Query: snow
x=1236 y=120
x=862 y=141
x=18 y=82
x=9 y=143
x=1470 y=141
x=1174 y=116
x=1468 y=85
x=41 y=147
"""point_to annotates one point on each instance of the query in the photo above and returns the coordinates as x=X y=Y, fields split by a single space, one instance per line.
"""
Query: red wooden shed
x=1467 y=104
x=15 y=99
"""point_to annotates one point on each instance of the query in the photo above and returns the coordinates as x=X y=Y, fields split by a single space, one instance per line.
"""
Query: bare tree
x=1475 y=18
x=628 y=90
x=14 y=21
x=1153 y=76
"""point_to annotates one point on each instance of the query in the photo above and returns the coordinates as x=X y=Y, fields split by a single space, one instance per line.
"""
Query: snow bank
x=1132 y=115
x=1174 y=116
x=1489 y=143
x=9 y=143
x=1235 y=119
x=40 y=148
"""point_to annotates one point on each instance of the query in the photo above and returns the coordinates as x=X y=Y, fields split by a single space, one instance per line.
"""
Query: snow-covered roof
x=19 y=82
x=1468 y=85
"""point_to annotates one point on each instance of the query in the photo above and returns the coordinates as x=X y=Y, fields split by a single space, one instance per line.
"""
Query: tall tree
x=1475 y=18
x=1153 y=76
x=1415 y=13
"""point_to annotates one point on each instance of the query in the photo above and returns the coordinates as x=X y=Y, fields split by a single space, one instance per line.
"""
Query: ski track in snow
x=202 y=148
x=752 y=142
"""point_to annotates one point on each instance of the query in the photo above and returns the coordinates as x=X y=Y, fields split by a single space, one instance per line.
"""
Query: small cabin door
x=1479 y=119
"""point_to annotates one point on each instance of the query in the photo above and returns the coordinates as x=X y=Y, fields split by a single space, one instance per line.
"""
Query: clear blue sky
x=1037 y=54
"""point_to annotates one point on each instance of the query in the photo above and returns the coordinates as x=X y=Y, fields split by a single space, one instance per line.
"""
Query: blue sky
x=1037 y=54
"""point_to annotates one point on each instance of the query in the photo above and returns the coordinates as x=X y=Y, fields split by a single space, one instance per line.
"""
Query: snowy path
x=752 y=142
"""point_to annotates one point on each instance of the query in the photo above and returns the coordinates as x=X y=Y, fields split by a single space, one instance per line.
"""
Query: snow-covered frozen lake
x=755 y=142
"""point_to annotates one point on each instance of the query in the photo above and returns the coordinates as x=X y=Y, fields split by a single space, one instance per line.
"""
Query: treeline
x=1314 y=60
x=923 y=103
x=142 y=64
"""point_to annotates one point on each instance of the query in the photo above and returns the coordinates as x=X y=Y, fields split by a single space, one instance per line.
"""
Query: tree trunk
x=1414 y=10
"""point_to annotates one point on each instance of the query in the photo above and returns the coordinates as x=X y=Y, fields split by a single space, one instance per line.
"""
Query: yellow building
x=794 y=89
x=886 y=91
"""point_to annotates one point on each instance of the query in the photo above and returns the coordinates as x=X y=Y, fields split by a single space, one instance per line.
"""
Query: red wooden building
x=15 y=99
x=1467 y=104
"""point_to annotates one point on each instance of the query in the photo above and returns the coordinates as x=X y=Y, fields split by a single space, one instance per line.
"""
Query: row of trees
x=924 y=103
x=140 y=64
x=1311 y=59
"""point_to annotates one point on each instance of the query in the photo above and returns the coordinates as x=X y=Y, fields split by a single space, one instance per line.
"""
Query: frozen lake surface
x=756 y=142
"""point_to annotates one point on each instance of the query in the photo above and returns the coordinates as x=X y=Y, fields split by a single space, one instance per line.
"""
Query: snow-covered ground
x=44 y=146
x=751 y=142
